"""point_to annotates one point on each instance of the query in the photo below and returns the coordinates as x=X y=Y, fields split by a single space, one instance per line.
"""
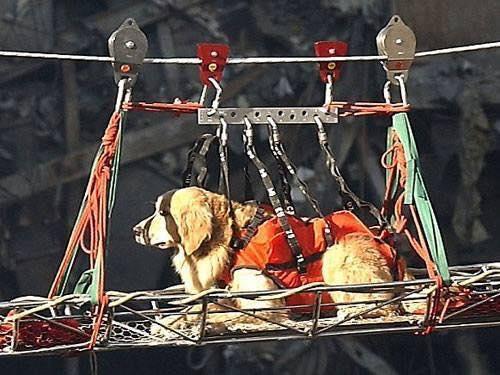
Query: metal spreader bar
x=258 y=116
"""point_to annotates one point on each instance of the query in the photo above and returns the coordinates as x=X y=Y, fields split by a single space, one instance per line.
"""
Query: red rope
x=344 y=108
x=367 y=108
x=90 y=231
x=178 y=107
x=398 y=170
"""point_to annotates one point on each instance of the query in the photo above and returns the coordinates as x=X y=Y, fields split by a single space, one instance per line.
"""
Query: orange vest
x=269 y=252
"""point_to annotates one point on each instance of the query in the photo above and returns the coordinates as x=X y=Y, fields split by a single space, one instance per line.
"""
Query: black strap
x=292 y=171
x=286 y=191
x=224 y=186
x=349 y=198
x=288 y=265
x=249 y=192
x=274 y=199
x=198 y=152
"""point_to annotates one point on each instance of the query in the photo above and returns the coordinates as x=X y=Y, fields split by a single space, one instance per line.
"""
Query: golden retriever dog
x=196 y=224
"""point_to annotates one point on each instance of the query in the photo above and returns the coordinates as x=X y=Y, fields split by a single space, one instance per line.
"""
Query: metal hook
x=218 y=95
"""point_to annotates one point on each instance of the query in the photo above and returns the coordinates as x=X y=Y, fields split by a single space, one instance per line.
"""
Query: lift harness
x=280 y=152
x=281 y=215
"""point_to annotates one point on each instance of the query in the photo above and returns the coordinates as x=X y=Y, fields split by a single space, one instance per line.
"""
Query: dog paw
x=181 y=323
x=173 y=322
x=214 y=329
x=343 y=314
x=363 y=313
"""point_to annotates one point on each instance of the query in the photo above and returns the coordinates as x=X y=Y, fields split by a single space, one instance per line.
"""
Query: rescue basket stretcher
x=62 y=325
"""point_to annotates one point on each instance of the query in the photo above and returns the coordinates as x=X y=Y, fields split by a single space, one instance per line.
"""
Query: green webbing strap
x=416 y=193
x=87 y=284
x=84 y=282
x=115 y=167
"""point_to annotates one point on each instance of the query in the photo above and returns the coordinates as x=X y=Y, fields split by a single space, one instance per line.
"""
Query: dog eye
x=163 y=213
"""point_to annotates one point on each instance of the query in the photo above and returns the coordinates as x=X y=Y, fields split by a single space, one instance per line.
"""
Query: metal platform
x=129 y=319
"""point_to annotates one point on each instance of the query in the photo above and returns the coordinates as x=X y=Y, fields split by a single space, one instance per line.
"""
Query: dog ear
x=194 y=223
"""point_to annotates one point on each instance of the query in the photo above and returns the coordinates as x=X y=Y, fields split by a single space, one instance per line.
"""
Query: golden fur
x=356 y=260
x=204 y=231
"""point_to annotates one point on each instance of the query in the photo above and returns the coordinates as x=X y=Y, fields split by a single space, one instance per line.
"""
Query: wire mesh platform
x=37 y=326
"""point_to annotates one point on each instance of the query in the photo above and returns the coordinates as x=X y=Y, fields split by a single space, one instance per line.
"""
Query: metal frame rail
x=139 y=319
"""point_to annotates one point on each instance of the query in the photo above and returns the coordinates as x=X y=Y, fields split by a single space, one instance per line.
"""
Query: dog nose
x=137 y=230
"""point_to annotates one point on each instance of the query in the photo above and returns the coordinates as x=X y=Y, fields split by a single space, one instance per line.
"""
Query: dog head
x=183 y=219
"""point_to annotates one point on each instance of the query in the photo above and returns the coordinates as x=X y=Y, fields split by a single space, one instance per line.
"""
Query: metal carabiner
x=273 y=127
x=122 y=95
x=203 y=95
x=247 y=132
x=402 y=90
x=328 y=92
x=322 y=136
x=218 y=95
x=387 y=92
x=221 y=132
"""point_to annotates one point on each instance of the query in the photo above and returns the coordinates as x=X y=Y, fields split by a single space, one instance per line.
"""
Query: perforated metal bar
x=258 y=116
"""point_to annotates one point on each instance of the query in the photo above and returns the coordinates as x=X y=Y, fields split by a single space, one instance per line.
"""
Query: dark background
x=52 y=115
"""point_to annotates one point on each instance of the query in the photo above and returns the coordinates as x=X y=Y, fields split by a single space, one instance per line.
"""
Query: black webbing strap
x=273 y=197
x=286 y=191
x=349 y=198
x=289 y=265
x=198 y=153
x=274 y=136
x=249 y=193
x=224 y=186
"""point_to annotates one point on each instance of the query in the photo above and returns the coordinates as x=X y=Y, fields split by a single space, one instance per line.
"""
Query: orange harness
x=269 y=252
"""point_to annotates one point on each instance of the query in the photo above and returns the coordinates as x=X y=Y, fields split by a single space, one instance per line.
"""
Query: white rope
x=247 y=60
x=266 y=60
x=55 y=56
x=472 y=47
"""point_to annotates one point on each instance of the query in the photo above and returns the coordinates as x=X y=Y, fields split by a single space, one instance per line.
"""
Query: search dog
x=197 y=226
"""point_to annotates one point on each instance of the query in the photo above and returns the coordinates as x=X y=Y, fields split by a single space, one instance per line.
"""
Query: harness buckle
x=236 y=243
x=301 y=266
